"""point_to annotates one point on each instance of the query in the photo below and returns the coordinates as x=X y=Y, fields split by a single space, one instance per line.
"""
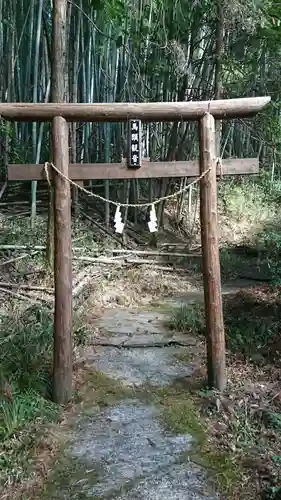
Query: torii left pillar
x=62 y=369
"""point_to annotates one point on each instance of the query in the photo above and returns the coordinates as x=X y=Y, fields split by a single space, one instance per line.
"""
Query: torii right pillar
x=216 y=363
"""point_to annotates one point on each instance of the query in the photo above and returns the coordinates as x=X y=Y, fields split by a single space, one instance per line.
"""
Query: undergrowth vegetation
x=252 y=323
x=246 y=419
x=249 y=212
x=25 y=382
x=253 y=202
x=26 y=349
x=26 y=409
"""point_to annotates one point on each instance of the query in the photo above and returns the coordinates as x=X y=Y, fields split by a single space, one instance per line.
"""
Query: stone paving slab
x=129 y=322
x=139 y=362
x=136 y=367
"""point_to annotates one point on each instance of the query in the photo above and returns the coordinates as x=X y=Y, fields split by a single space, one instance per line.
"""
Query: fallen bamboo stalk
x=82 y=284
x=127 y=262
x=146 y=261
x=152 y=252
x=102 y=259
x=20 y=214
x=167 y=244
x=114 y=251
x=22 y=247
x=168 y=269
x=174 y=246
x=116 y=260
x=8 y=203
x=22 y=296
x=26 y=287
x=15 y=259
x=78 y=289
x=38 y=247
x=79 y=238
x=3 y=188
x=88 y=273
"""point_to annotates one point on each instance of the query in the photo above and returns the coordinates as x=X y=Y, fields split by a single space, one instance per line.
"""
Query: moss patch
x=99 y=391
x=181 y=415
x=69 y=475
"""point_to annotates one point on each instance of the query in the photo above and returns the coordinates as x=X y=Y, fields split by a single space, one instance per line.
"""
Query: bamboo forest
x=140 y=244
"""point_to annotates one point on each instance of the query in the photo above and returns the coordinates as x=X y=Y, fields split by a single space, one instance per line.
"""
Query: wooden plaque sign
x=134 y=153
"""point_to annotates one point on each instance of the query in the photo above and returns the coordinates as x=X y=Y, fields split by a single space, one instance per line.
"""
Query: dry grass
x=127 y=287
x=245 y=424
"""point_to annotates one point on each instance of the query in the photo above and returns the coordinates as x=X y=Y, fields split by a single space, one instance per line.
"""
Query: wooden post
x=62 y=377
x=210 y=255
x=59 y=82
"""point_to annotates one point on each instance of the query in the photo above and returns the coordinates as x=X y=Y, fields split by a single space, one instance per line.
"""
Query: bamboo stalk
x=3 y=188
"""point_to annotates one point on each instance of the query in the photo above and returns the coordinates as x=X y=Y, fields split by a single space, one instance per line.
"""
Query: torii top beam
x=149 y=112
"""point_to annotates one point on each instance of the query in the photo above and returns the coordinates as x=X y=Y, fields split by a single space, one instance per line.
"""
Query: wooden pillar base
x=62 y=376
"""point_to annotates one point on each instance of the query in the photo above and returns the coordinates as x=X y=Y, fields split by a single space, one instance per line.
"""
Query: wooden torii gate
x=205 y=113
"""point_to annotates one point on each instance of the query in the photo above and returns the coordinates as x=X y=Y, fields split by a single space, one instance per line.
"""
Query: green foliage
x=26 y=347
x=252 y=326
x=270 y=238
x=25 y=367
x=273 y=492
x=12 y=231
x=273 y=419
x=230 y=264
x=26 y=352
x=24 y=409
x=250 y=208
x=248 y=200
x=188 y=319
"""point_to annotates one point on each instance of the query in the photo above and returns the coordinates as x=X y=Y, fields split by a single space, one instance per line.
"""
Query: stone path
x=136 y=366
x=124 y=453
